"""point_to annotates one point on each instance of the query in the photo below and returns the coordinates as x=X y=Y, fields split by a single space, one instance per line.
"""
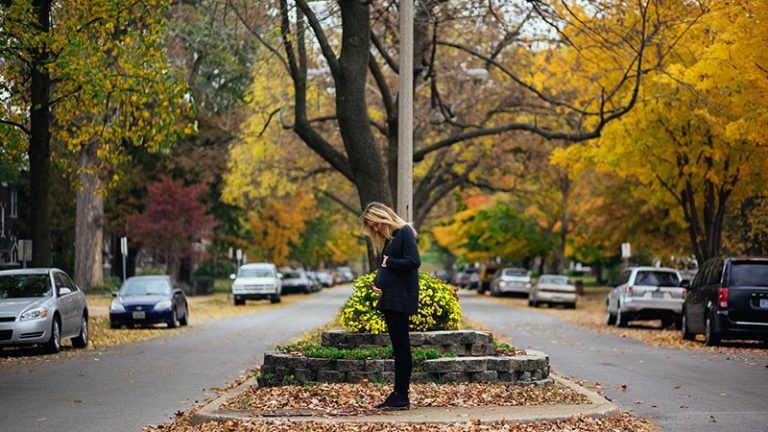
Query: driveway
x=124 y=388
x=681 y=390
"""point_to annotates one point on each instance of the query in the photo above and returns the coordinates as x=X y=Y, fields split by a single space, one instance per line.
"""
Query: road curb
x=599 y=407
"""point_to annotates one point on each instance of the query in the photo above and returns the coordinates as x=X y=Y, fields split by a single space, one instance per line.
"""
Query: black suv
x=728 y=298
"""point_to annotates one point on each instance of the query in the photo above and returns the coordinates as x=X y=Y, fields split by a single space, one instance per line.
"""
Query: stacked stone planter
x=476 y=361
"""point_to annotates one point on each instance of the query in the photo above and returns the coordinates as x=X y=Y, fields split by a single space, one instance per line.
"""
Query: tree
x=172 y=221
x=449 y=34
x=95 y=71
x=696 y=142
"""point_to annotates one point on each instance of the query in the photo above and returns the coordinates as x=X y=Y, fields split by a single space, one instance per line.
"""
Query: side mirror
x=232 y=276
x=64 y=291
x=685 y=284
x=114 y=293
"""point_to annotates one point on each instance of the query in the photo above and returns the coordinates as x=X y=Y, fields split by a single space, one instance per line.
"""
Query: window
x=14 y=203
x=752 y=274
x=61 y=282
x=656 y=278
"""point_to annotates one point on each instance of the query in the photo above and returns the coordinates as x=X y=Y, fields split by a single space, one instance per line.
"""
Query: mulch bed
x=622 y=423
x=354 y=399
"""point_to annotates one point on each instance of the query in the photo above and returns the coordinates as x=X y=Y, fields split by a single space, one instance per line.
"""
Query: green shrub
x=438 y=307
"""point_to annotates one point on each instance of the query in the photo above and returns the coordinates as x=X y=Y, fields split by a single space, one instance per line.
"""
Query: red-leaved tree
x=172 y=221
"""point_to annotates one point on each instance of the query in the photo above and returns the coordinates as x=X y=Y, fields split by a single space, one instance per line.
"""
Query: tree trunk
x=565 y=189
x=89 y=222
x=40 y=142
x=365 y=159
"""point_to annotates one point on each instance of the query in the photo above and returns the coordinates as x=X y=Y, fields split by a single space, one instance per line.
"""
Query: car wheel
x=239 y=301
x=54 y=343
x=711 y=337
x=184 y=321
x=687 y=335
x=274 y=298
x=114 y=326
x=610 y=319
x=174 y=319
x=622 y=320
x=81 y=341
x=570 y=306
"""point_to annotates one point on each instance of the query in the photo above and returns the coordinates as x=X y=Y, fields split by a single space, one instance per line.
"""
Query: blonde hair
x=377 y=212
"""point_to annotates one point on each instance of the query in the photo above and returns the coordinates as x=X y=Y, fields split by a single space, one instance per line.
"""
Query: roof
x=649 y=268
x=145 y=277
x=257 y=265
x=27 y=271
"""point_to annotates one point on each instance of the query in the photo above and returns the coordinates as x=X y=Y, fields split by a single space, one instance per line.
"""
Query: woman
x=397 y=282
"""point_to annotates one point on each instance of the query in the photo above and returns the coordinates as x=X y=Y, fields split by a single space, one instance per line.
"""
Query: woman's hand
x=384 y=262
x=376 y=289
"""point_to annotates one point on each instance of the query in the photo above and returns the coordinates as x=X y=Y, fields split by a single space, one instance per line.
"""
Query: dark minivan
x=728 y=299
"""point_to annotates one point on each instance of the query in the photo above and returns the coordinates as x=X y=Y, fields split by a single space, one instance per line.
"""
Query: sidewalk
x=599 y=407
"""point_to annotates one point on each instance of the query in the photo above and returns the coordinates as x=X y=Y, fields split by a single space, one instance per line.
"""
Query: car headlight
x=33 y=314
x=117 y=306
x=165 y=304
x=502 y=284
x=528 y=285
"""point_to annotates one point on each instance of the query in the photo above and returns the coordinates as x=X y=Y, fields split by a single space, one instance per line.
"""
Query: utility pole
x=405 y=114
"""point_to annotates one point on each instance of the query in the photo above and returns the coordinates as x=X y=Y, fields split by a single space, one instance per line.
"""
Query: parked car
x=296 y=280
x=468 y=278
x=344 y=275
x=42 y=307
x=551 y=290
x=646 y=293
x=325 y=278
x=145 y=300
x=485 y=278
x=728 y=299
x=510 y=280
x=256 y=281
x=317 y=286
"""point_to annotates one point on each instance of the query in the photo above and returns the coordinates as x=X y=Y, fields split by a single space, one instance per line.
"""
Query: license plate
x=139 y=315
x=657 y=294
x=764 y=303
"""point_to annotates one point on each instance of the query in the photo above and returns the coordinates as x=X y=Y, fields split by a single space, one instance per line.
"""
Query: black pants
x=397 y=325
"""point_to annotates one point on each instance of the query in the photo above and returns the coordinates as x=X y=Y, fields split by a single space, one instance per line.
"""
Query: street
x=681 y=390
x=147 y=382
x=125 y=388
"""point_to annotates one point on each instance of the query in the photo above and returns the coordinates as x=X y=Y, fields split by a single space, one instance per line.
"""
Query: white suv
x=646 y=293
x=255 y=282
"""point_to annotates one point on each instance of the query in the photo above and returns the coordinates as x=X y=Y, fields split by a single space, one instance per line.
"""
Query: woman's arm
x=410 y=259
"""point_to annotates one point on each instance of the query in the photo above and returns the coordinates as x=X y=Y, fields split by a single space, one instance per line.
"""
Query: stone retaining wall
x=476 y=362
x=460 y=342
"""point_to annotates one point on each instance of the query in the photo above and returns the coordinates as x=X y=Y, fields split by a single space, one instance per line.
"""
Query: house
x=10 y=225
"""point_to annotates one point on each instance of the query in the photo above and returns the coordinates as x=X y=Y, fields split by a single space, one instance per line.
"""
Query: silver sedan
x=41 y=307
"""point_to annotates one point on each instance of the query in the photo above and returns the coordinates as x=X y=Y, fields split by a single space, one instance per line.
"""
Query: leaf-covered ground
x=590 y=313
x=347 y=399
x=622 y=423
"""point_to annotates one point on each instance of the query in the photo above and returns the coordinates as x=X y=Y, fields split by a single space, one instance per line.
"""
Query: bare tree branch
x=16 y=125
x=322 y=39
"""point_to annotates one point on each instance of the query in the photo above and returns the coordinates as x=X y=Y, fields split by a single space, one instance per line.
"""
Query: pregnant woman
x=397 y=282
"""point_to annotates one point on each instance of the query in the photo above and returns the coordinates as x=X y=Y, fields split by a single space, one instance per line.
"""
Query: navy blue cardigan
x=399 y=280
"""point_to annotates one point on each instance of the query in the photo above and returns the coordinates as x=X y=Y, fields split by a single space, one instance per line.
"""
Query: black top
x=399 y=280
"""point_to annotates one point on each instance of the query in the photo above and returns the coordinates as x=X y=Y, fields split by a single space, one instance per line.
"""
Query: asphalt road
x=681 y=390
x=147 y=382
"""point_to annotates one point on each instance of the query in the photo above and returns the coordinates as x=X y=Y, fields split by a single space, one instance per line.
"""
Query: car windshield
x=515 y=272
x=554 y=280
x=138 y=287
x=749 y=274
x=322 y=275
x=657 y=278
x=255 y=273
x=21 y=286
x=292 y=275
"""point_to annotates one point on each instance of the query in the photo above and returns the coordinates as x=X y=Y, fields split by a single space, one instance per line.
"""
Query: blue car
x=144 y=300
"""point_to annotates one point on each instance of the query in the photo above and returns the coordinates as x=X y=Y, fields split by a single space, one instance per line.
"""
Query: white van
x=256 y=281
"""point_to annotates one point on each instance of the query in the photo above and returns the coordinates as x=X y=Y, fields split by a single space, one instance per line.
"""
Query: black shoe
x=395 y=401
